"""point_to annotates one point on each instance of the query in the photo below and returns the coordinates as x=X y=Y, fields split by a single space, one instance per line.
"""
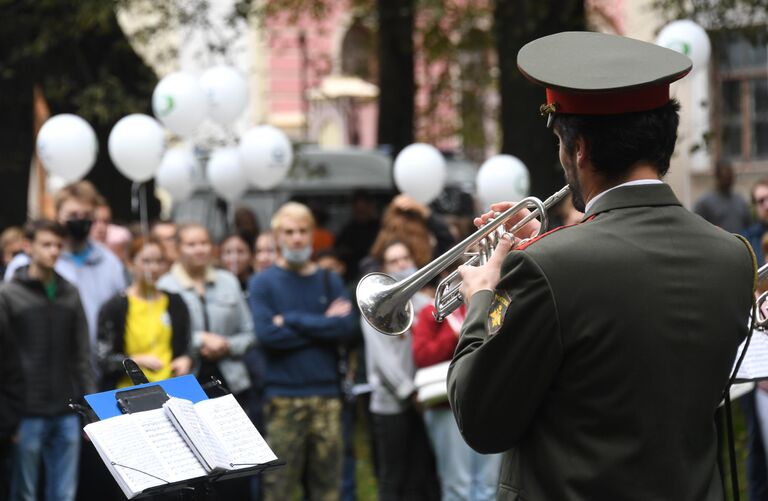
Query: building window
x=742 y=79
x=358 y=53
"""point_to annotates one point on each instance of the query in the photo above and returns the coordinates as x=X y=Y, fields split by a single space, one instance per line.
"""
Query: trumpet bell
x=382 y=306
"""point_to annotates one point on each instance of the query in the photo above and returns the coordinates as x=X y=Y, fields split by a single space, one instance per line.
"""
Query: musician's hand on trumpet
x=530 y=228
x=385 y=302
x=485 y=277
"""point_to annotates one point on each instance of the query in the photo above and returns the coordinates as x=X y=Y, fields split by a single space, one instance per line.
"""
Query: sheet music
x=235 y=431
x=755 y=364
x=200 y=437
x=121 y=440
x=171 y=447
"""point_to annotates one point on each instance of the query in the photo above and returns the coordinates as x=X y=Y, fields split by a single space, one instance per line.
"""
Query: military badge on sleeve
x=498 y=311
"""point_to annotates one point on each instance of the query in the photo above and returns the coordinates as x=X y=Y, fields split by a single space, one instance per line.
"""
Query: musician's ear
x=581 y=151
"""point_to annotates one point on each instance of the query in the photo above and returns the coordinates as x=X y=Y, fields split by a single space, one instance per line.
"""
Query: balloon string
x=143 y=214
x=139 y=204
x=135 y=197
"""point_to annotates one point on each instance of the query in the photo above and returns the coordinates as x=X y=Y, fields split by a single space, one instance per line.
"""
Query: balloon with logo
x=67 y=146
x=179 y=103
x=420 y=172
x=688 y=38
x=502 y=178
x=136 y=146
x=266 y=154
x=226 y=92
x=225 y=174
x=175 y=174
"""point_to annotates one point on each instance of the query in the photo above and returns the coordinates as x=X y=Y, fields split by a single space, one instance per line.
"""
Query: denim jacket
x=221 y=310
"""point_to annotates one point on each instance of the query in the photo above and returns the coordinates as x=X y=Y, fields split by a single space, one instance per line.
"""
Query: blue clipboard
x=104 y=404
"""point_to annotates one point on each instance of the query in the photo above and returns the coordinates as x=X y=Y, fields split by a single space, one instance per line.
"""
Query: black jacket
x=12 y=386
x=111 y=335
x=52 y=337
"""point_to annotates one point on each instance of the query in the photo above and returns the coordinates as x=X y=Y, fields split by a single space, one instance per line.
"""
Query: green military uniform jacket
x=599 y=361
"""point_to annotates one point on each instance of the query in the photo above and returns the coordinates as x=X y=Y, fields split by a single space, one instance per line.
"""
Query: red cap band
x=609 y=103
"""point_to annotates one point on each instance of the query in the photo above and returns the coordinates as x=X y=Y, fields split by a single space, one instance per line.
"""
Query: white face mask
x=403 y=274
x=298 y=256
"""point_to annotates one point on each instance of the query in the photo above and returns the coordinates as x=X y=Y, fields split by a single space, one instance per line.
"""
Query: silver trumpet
x=386 y=303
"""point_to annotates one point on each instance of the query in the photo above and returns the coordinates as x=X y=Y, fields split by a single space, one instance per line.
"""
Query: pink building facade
x=309 y=92
x=320 y=76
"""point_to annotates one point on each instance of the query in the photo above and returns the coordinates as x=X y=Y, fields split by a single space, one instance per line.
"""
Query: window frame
x=747 y=162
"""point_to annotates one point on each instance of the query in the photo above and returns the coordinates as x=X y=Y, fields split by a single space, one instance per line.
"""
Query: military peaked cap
x=599 y=74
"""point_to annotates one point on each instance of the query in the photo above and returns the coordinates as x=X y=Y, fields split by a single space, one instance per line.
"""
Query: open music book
x=181 y=441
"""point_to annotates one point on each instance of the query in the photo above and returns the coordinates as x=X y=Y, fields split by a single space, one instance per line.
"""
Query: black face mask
x=78 y=229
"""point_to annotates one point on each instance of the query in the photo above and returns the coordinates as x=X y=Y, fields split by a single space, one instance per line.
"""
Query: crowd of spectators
x=267 y=314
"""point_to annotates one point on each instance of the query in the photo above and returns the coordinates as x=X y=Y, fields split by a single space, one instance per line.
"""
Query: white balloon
x=136 y=146
x=179 y=103
x=225 y=174
x=67 y=146
x=266 y=155
x=420 y=172
x=226 y=92
x=502 y=178
x=175 y=174
x=688 y=38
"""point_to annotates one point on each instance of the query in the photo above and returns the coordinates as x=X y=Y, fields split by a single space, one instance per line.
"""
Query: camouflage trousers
x=305 y=432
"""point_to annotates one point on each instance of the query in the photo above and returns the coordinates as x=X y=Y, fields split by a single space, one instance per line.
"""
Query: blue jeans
x=465 y=475
x=57 y=441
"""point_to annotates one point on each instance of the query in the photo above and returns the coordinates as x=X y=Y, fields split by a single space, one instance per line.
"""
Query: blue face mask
x=298 y=256
x=403 y=274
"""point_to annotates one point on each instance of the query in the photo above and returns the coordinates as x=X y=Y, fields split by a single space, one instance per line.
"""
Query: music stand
x=146 y=396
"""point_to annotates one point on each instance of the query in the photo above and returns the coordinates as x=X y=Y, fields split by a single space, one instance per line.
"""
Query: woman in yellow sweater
x=144 y=323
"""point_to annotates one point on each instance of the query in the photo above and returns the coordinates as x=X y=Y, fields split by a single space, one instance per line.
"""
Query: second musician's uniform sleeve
x=509 y=351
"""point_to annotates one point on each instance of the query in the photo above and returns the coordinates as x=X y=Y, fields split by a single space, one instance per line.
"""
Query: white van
x=327 y=179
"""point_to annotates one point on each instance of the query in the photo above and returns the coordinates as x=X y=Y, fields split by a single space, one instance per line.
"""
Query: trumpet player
x=594 y=356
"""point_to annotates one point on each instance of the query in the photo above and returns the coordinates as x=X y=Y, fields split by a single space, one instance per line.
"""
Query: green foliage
x=454 y=38
x=446 y=36
x=750 y=16
x=298 y=9
x=76 y=51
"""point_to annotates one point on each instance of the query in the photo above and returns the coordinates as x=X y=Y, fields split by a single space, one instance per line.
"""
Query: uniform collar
x=632 y=195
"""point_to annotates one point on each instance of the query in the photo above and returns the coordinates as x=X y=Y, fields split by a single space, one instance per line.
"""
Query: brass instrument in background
x=386 y=303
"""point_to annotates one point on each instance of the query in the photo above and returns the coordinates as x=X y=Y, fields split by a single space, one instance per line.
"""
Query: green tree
x=75 y=51
x=523 y=131
x=397 y=83
x=749 y=16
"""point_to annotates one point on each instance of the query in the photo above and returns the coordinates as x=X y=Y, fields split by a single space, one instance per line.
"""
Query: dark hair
x=333 y=253
x=251 y=244
x=617 y=142
x=247 y=224
x=32 y=228
x=723 y=165
x=138 y=243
